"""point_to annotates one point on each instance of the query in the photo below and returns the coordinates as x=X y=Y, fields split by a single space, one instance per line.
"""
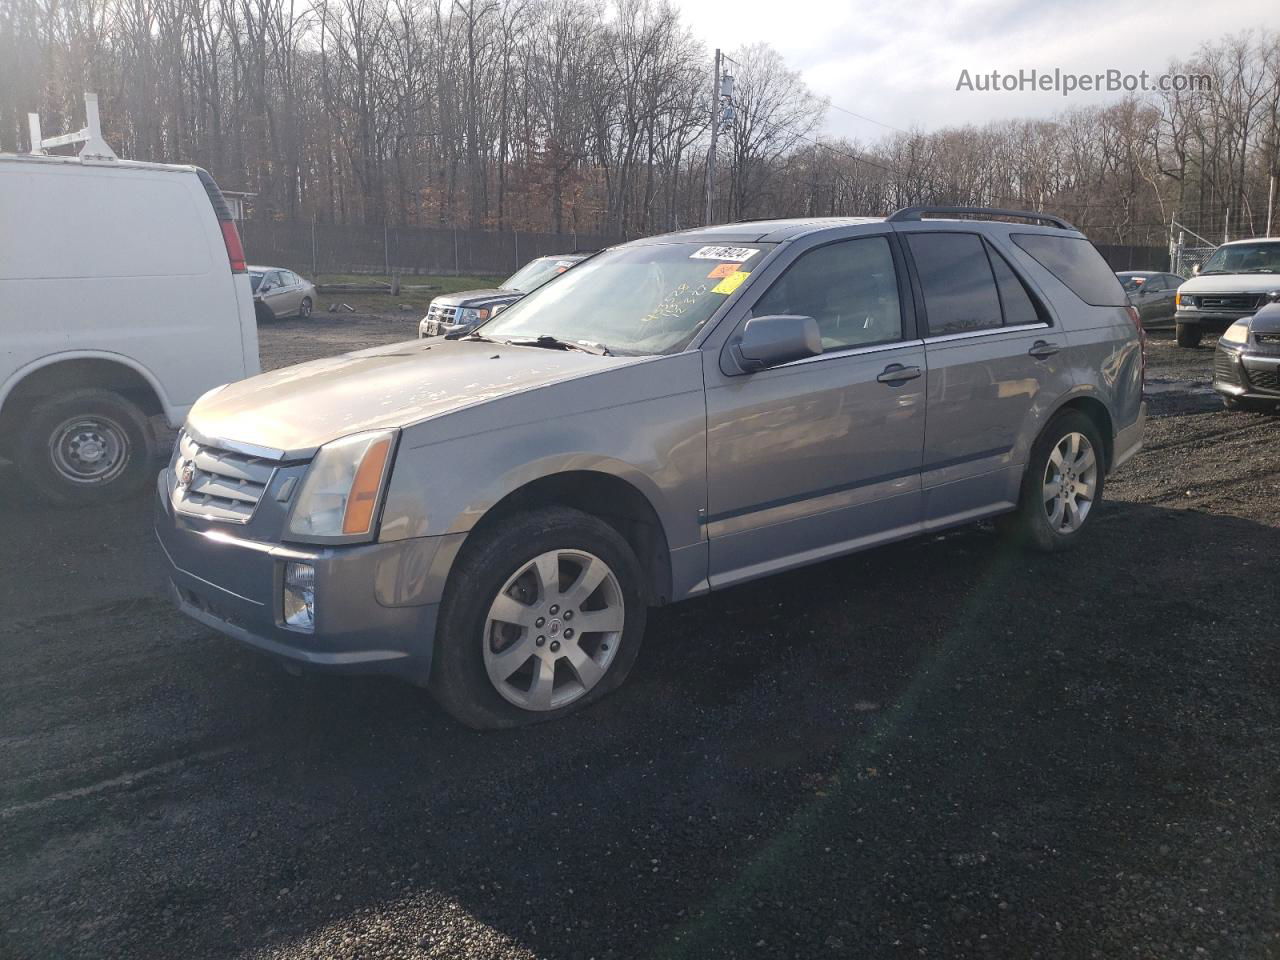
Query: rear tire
x=85 y=447
x=1188 y=335
x=486 y=668
x=1062 y=485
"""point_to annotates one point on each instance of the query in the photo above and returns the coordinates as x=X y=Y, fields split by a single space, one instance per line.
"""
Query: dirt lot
x=942 y=748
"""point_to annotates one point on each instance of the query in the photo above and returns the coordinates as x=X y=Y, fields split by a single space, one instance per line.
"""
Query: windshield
x=255 y=280
x=1245 y=258
x=633 y=300
x=537 y=272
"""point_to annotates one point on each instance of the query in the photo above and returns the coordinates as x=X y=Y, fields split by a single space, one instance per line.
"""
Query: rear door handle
x=896 y=373
x=1043 y=349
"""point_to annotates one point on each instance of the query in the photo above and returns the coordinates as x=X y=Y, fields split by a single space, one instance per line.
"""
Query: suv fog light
x=300 y=596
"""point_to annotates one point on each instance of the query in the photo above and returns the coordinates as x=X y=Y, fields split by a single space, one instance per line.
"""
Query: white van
x=123 y=295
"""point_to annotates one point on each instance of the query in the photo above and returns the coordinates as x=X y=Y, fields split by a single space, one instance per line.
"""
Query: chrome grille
x=219 y=484
x=1231 y=302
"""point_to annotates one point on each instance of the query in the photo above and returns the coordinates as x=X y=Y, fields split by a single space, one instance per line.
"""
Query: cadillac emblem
x=186 y=473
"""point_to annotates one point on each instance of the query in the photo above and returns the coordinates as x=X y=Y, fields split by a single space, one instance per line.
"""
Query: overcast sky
x=898 y=61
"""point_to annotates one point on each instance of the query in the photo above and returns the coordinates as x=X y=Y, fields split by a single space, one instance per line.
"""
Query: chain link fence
x=318 y=249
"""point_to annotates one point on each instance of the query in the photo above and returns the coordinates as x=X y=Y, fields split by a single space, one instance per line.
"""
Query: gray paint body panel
x=748 y=474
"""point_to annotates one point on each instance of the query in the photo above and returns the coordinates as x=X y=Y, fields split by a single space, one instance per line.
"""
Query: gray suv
x=492 y=516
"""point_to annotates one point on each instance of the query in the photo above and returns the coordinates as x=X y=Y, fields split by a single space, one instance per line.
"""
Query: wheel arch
x=611 y=498
x=1098 y=413
x=76 y=370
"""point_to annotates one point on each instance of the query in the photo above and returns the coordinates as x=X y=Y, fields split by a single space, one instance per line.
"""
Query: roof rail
x=95 y=148
x=907 y=214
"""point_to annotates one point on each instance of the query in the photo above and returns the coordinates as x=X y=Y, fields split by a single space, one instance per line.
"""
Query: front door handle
x=896 y=373
x=1043 y=349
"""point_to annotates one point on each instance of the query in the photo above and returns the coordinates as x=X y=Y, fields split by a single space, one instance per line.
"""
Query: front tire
x=304 y=308
x=1062 y=485
x=86 y=447
x=1188 y=335
x=543 y=615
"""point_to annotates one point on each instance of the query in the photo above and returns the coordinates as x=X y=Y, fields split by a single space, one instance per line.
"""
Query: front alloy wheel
x=553 y=629
x=543 y=614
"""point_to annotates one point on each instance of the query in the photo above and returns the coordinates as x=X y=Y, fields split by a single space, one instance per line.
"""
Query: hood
x=478 y=298
x=1266 y=320
x=1232 y=283
x=294 y=410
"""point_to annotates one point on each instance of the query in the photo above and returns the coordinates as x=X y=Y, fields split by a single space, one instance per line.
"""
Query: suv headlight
x=339 y=499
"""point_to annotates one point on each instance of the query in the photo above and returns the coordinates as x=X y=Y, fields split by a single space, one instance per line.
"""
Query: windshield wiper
x=555 y=343
x=1206 y=273
x=473 y=335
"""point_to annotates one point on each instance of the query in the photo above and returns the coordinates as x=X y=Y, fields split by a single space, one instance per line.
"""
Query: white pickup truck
x=123 y=296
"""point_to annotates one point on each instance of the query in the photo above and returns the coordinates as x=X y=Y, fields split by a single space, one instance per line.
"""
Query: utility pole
x=1271 y=201
x=715 y=132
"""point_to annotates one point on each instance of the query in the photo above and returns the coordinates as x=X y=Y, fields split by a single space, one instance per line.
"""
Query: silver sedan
x=281 y=293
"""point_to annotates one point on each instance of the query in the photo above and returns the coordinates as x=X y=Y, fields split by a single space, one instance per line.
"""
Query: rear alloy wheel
x=1062 y=484
x=544 y=614
x=86 y=447
x=304 y=308
x=1187 y=334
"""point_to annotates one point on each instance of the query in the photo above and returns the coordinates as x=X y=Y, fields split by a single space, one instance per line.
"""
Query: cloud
x=898 y=62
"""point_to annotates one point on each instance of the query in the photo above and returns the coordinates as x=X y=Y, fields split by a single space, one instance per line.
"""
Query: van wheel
x=304 y=308
x=543 y=616
x=1188 y=335
x=86 y=447
x=1062 y=485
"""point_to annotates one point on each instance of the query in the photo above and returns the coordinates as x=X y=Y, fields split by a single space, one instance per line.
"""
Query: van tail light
x=1142 y=338
x=222 y=210
x=235 y=250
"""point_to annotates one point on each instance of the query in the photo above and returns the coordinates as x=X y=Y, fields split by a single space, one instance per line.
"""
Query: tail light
x=1142 y=338
x=230 y=235
x=235 y=250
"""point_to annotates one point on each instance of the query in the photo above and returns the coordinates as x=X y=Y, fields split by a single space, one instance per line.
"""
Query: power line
x=862 y=116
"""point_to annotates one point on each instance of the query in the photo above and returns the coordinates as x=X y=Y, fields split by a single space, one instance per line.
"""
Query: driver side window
x=850 y=287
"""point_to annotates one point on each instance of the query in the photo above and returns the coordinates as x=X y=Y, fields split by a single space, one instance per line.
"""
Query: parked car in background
x=1246 y=363
x=493 y=515
x=123 y=295
x=1153 y=294
x=458 y=313
x=280 y=293
x=1233 y=283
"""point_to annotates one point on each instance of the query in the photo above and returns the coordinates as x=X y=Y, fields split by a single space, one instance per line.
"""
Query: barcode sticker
x=734 y=254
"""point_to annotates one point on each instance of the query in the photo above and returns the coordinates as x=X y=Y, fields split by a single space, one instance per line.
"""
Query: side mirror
x=498 y=309
x=771 y=341
x=1195 y=270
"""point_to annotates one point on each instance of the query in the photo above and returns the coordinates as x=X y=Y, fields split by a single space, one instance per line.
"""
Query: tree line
x=569 y=115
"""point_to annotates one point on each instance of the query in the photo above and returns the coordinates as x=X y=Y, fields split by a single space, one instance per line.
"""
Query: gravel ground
x=941 y=748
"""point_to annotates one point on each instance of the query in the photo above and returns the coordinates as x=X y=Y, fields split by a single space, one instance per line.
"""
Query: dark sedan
x=1152 y=294
x=1246 y=363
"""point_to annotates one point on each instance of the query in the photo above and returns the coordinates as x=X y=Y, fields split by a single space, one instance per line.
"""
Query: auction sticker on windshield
x=730 y=283
x=735 y=254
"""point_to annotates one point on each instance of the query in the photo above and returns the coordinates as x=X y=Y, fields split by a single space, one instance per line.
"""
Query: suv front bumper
x=1217 y=320
x=375 y=609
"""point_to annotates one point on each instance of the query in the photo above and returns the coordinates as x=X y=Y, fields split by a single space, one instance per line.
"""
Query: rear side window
x=959 y=288
x=1014 y=298
x=1077 y=263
